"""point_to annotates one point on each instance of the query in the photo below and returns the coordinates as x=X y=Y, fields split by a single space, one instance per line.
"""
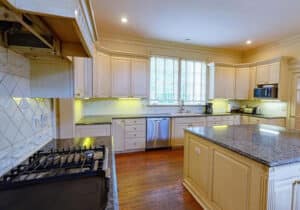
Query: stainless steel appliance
x=158 y=133
x=68 y=179
x=270 y=92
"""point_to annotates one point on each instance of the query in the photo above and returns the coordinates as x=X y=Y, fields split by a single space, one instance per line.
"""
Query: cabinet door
x=79 y=76
x=121 y=77
x=242 y=83
x=252 y=82
x=262 y=74
x=118 y=133
x=102 y=76
x=178 y=135
x=139 y=78
x=231 y=183
x=219 y=91
x=199 y=166
x=229 y=83
x=274 y=73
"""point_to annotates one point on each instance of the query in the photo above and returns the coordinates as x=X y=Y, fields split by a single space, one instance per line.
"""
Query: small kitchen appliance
x=209 y=108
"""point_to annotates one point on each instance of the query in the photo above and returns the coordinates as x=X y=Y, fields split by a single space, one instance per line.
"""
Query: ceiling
x=213 y=23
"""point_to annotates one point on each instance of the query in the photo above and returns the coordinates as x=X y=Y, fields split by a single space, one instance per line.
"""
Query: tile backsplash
x=26 y=123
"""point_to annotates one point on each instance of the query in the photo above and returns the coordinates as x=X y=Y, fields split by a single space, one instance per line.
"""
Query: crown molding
x=150 y=43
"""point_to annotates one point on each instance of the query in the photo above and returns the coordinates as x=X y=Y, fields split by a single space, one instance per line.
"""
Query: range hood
x=56 y=27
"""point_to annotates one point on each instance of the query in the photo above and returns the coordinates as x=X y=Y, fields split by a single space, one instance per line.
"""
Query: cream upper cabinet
x=262 y=74
x=242 y=83
x=274 y=73
x=252 y=81
x=121 y=74
x=139 y=78
x=83 y=77
x=222 y=82
x=268 y=74
x=102 y=76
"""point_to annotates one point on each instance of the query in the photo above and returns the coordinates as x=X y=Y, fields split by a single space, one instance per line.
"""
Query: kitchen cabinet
x=255 y=120
x=102 y=76
x=92 y=130
x=268 y=73
x=129 y=134
x=178 y=126
x=129 y=77
x=294 y=114
x=252 y=82
x=223 y=120
x=242 y=83
x=221 y=81
x=83 y=76
x=121 y=68
x=139 y=78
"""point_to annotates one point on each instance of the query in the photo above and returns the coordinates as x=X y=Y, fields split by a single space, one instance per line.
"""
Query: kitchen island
x=243 y=167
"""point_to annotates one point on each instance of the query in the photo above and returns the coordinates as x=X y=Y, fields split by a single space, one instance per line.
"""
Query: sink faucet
x=181 y=106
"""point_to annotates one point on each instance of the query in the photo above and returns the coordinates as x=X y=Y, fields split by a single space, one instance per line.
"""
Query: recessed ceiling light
x=124 y=20
x=248 y=42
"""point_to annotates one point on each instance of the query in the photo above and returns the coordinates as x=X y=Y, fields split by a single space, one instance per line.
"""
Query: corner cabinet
x=129 y=77
x=221 y=81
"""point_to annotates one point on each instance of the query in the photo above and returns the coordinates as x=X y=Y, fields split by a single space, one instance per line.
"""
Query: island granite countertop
x=113 y=202
x=270 y=145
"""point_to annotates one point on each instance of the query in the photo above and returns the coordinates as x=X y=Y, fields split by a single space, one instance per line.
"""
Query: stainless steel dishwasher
x=158 y=133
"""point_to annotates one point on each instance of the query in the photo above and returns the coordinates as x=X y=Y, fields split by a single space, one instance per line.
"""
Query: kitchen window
x=193 y=82
x=164 y=81
x=171 y=82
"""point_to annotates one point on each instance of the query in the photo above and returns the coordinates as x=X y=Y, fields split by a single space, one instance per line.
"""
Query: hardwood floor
x=153 y=181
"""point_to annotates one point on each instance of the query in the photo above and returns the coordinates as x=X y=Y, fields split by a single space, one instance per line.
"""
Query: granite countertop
x=107 y=119
x=266 y=144
x=113 y=202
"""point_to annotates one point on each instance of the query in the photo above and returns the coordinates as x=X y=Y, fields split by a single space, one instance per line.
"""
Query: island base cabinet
x=220 y=179
x=223 y=180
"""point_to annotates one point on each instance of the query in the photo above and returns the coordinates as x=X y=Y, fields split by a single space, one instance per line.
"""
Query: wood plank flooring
x=153 y=181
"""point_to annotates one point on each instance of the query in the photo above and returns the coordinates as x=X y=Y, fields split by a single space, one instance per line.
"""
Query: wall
x=150 y=47
x=286 y=47
x=26 y=123
x=122 y=106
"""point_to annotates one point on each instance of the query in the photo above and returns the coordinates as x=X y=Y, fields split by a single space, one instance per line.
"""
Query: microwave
x=266 y=92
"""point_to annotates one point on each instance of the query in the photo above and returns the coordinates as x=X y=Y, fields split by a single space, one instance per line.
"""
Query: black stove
x=65 y=179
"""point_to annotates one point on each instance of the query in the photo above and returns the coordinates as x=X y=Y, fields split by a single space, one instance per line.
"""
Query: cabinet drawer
x=92 y=130
x=137 y=143
x=133 y=128
x=135 y=134
x=188 y=120
x=228 y=118
x=214 y=123
x=140 y=121
x=211 y=119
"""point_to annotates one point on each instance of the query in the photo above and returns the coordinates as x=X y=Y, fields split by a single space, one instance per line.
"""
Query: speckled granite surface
x=266 y=144
x=113 y=201
x=107 y=119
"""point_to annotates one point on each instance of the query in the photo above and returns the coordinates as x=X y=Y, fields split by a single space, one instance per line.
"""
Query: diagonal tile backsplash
x=25 y=123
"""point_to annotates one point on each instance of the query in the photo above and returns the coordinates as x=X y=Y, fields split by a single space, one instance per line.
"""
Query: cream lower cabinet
x=223 y=120
x=255 y=120
x=221 y=179
x=92 y=130
x=178 y=126
x=129 y=134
